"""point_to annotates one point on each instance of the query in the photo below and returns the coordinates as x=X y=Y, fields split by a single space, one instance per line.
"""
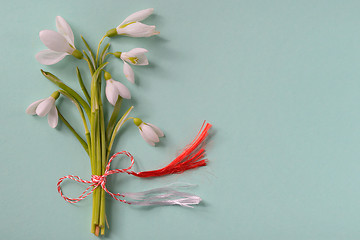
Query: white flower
x=45 y=106
x=149 y=132
x=114 y=89
x=135 y=56
x=60 y=43
x=132 y=26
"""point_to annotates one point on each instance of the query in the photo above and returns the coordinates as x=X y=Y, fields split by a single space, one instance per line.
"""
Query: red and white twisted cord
x=97 y=181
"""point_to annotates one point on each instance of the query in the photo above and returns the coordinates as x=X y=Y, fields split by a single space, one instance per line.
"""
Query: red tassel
x=191 y=157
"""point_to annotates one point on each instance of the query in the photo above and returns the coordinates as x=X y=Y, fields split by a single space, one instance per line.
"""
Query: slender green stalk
x=103 y=165
x=76 y=103
x=102 y=57
x=116 y=129
x=88 y=48
x=98 y=142
x=83 y=88
x=112 y=121
x=89 y=62
x=102 y=212
x=94 y=82
x=98 y=49
x=83 y=143
x=98 y=172
x=68 y=89
x=96 y=203
x=94 y=124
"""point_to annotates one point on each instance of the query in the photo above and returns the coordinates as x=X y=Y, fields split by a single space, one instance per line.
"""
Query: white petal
x=45 y=106
x=55 y=41
x=137 y=29
x=142 y=60
x=156 y=129
x=149 y=133
x=129 y=73
x=138 y=16
x=146 y=139
x=140 y=54
x=32 y=107
x=136 y=51
x=111 y=92
x=125 y=57
x=64 y=29
x=53 y=117
x=122 y=90
x=49 y=57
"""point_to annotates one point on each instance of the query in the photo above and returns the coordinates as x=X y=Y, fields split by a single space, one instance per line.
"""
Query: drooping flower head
x=45 y=106
x=114 y=89
x=132 y=26
x=60 y=43
x=149 y=132
x=135 y=56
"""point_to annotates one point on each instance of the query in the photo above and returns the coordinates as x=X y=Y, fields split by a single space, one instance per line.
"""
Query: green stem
x=112 y=121
x=89 y=62
x=98 y=172
x=102 y=58
x=88 y=48
x=116 y=129
x=98 y=49
x=83 y=143
x=102 y=212
x=94 y=124
x=83 y=88
x=103 y=164
x=76 y=103
x=68 y=89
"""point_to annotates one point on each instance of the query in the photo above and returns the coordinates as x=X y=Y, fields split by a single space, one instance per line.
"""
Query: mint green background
x=279 y=80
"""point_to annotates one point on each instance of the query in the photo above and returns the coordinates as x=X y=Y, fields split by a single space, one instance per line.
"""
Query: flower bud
x=117 y=54
x=137 y=121
x=107 y=76
x=111 y=32
x=76 y=53
x=55 y=95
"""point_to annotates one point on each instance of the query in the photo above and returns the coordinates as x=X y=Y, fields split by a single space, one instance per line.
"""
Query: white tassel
x=164 y=196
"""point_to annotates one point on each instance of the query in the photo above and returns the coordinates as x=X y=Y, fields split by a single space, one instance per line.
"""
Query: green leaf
x=103 y=53
x=83 y=143
x=90 y=63
x=89 y=49
x=83 y=88
x=113 y=118
x=68 y=89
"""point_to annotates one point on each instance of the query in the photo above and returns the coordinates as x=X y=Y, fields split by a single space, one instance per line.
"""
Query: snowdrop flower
x=149 y=132
x=60 y=43
x=135 y=56
x=114 y=89
x=132 y=26
x=46 y=106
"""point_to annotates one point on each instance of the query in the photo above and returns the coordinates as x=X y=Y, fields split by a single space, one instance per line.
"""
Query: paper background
x=279 y=80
